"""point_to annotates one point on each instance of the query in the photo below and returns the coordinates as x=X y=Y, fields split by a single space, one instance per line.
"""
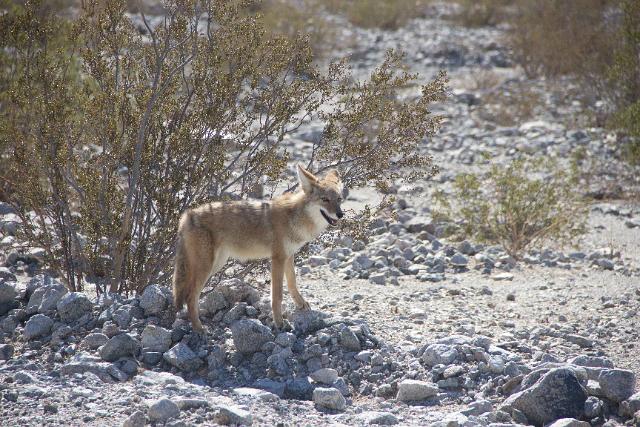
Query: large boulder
x=120 y=346
x=250 y=335
x=556 y=394
x=73 y=306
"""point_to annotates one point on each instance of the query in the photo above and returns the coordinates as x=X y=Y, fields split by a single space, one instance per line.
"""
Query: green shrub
x=110 y=135
x=518 y=206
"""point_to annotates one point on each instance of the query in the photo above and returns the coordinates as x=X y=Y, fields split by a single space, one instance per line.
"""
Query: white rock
x=412 y=390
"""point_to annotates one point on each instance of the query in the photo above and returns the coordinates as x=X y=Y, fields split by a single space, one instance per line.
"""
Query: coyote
x=247 y=230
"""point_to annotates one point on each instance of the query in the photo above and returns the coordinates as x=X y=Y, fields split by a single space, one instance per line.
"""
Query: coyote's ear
x=306 y=179
x=333 y=175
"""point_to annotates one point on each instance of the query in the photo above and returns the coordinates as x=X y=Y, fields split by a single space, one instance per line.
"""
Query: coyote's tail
x=180 y=285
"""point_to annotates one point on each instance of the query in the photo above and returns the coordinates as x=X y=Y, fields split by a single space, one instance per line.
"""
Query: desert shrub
x=510 y=104
x=293 y=17
x=111 y=133
x=559 y=37
x=625 y=73
x=384 y=14
x=518 y=206
x=596 y=41
x=482 y=13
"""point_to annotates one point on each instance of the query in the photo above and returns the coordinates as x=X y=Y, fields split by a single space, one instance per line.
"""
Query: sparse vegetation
x=518 y=207
x=290 y=18
x=109 y=134
x=597 y=41
x=482 y=13
x=384 y=14
x=510 y=104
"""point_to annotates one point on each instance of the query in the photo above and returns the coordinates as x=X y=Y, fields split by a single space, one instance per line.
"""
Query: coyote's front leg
x=290 y=273
x=277 y=272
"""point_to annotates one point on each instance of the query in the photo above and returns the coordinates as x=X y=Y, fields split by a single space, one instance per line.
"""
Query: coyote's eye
x=326 y=199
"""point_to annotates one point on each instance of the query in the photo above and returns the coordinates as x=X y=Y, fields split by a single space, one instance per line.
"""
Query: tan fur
x=211 y=234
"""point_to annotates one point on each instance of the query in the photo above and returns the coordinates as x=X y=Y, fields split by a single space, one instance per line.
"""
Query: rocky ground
x=408 y=329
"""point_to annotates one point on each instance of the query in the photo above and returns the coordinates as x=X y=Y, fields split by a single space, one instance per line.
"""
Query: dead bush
x=518 y=206
x=110 y=133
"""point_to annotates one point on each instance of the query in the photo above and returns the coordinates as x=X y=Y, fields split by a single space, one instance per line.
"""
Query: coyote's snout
x=210 y=234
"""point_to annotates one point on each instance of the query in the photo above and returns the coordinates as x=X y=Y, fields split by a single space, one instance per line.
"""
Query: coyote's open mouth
x=330 y=220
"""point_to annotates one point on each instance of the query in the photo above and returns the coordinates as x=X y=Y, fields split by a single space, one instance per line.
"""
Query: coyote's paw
x=284 y=326
x=303 y=305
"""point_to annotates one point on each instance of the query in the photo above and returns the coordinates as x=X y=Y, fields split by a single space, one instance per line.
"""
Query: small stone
x=6 y=351
x=182 y=357
x=378 y=279
x=153 y=300
x=459 y=260
x=502 y=277
x=439 y=354
x=414 y=390
x=213 y=302
x=50 y=408
x=593 y=407
x=137 y=419
x=151 y=357
x=37 y=326
x=257 y=393
x=73 y=306
x=325 y=375
x=24 y=378
x=95 y=340
x=250 y=335
x=156 y=338
x=286 y=339
x=379 y=418
x=617 y=384
x=569 y=422
x=349 y=340
x=579 y=340
x=453 y=371
x=511 y=297
x=478 y=407
x=230 y=415
x=8 y=292
x=329 y=398
x=162 y=410
x=120 y=346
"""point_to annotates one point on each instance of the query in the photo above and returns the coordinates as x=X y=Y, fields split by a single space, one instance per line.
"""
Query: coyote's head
x=325 y=194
